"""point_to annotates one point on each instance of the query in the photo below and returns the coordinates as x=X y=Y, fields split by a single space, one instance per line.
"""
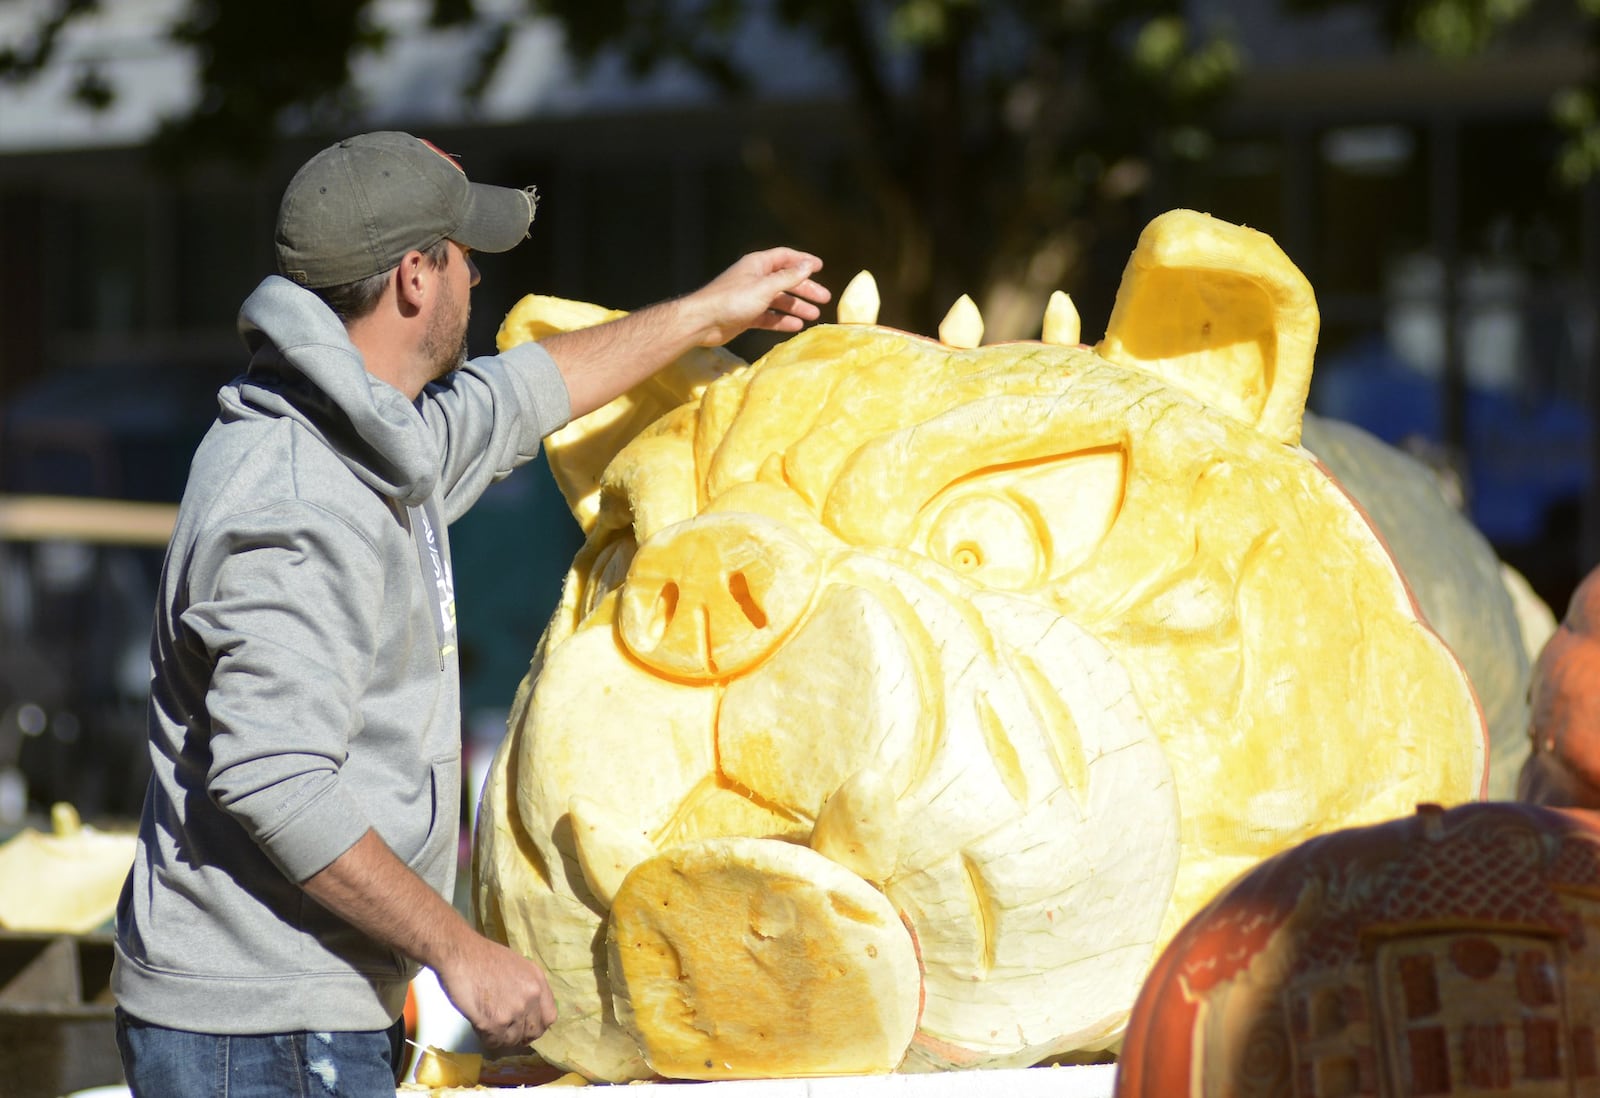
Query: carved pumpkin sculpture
x=1451 y=952
x=907 y=695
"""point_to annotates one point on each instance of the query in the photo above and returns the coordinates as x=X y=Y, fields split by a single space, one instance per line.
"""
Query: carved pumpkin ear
x=580 y=451
x=1219 y=311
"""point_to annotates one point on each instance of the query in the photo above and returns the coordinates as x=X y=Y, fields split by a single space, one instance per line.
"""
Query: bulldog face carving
x=905 y=698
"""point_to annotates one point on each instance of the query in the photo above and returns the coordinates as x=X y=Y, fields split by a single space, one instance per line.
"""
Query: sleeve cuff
x=307 y=842
x=540 y=383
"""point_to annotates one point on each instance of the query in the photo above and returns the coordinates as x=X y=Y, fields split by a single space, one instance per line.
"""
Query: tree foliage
x=985 y=147
x=986 y=141
x=988 y=144
x=1449 y=28
x=1455 y=29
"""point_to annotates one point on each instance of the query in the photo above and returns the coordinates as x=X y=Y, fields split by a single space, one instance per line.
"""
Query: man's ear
x=412 y=281
x=1218 y=310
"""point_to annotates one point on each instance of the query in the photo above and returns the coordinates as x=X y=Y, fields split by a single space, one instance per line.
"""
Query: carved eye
x=1016 y=526
x=989 y=539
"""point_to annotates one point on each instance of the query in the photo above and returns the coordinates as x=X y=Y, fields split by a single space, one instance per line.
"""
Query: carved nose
x=712 y=596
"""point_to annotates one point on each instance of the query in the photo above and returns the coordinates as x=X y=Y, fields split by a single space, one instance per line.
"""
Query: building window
x=105 y=286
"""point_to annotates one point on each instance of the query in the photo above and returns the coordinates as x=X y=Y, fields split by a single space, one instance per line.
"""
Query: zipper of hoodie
x=437 y=581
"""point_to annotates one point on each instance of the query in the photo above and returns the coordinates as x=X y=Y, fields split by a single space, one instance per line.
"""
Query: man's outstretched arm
x=771 y=290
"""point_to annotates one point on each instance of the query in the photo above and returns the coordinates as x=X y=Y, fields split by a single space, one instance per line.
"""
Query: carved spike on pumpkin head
x=1100 y=634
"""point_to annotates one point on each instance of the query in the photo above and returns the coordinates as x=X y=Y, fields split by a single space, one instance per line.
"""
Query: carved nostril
x=739 y=588
x=710 y=596
x=662 y=612
x=667 y=604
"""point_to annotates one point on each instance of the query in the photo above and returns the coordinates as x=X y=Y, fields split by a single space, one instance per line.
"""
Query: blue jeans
x=177 y=1063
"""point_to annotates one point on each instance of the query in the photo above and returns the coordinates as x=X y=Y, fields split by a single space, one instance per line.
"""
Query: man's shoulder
x=246 y=467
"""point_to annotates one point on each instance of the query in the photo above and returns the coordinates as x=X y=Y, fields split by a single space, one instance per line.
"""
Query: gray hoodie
x=304 y=683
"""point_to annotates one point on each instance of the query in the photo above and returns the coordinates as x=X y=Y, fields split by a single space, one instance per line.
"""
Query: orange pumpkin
x=1564 y=766
x=1449 y=952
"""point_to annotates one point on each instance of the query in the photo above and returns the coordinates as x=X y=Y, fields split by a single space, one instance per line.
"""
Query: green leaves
x=18 y=63
x=1575 y=113
x=267 y=69
x=922 y=23
x=1460 y=28
x=1162 y=49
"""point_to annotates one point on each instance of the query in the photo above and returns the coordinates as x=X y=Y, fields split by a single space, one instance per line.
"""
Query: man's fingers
x=798 y=283
x=813 y=292
x=777 y=259
x=774 y=321
x=771 y=290
x=508 y=1000
x=791 y=304
x=516 y=1032
x=795 y=306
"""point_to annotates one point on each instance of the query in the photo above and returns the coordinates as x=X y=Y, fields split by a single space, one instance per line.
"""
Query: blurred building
x=1456 y=280
x=1455 y=273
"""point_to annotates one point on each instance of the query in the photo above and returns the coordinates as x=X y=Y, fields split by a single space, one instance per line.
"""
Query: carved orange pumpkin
x=1451 y=952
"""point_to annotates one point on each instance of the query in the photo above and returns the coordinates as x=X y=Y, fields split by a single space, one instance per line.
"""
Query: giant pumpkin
x=907 y=694
x=1563 y=766
x=1488 y=615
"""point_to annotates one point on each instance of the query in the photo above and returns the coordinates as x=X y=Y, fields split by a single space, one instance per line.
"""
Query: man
x=300 y=829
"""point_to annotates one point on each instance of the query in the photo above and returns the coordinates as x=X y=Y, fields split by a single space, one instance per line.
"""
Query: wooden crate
x=57 y=1027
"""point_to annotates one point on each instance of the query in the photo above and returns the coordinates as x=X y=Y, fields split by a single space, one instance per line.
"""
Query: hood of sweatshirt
x=303 y=367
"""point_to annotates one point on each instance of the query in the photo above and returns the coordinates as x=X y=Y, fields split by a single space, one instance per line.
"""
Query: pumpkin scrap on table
x=442 y=1069
x=65 y=880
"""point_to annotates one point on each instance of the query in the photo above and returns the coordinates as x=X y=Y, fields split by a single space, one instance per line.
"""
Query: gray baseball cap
x=356 y=208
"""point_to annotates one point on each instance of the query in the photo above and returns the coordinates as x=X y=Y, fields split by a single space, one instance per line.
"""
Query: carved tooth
x=1061 y=323
x=859 y=826
x=859 y=302
x=607 y=848
x=962 y=325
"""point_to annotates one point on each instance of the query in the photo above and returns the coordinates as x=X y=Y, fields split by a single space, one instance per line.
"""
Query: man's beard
x=446 y=350
x=452 y=362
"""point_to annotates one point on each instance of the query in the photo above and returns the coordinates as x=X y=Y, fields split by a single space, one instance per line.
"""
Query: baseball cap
x=357 y=207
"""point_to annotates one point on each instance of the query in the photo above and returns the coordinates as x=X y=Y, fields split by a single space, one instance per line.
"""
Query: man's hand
x=503 y=994
x=771 y=290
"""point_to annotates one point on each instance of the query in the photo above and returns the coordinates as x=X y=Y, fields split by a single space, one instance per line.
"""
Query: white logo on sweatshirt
x=443 y=583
